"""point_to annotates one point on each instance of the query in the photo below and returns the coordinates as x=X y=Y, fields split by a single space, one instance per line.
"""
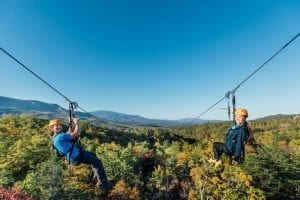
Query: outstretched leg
x=97 y=166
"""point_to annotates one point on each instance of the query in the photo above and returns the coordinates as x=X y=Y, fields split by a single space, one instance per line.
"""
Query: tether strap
x=233 y=106
x=228 y=105
x=72 y=113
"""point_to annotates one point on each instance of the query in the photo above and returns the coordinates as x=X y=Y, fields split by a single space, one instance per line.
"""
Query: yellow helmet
x=54 y=122
x=241 y=112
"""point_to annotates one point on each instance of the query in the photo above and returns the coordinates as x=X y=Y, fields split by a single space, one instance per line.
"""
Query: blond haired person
x=234 y=140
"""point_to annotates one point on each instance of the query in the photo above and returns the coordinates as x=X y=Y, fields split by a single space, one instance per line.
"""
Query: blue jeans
x=90 y=158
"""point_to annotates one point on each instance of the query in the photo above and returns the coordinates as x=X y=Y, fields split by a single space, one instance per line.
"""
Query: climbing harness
x=72 y=114
x=227 y=95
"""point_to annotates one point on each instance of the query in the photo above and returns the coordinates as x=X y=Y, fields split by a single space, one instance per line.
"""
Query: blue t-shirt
x=63 y=143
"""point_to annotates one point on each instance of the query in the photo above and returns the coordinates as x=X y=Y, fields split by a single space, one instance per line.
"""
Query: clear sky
x=160 y=59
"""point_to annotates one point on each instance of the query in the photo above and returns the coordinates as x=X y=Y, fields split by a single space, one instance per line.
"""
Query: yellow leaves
x=138 y=150
x=38 y=140
x=255 y=194
x=197 y=174
x=169 y=151
x=12 y=130
x=182 y=159
x=77 y=175
x=295 y=144
x=141 y=151
x=247 y=179
x=266 y=138
x=216 y=180
x=108 y=149
x=159 y=170
x=237 y=177
x=122 y=190
x=178 y=167
x=79 y=170
x=157 y=144
x=250 y=149
x=113 y=146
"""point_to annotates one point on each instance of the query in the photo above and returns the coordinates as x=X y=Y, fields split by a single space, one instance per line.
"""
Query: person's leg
x=219 y=149
x=97 y=166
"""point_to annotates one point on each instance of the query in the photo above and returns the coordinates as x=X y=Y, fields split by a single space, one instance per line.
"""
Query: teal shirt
x=235 y=138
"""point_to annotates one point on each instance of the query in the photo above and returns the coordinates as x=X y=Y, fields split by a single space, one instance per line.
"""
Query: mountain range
x=48 y=111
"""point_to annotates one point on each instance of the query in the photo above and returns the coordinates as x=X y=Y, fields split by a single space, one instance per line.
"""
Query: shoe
x=93 y=181
x=217 y=162
x=212 y=160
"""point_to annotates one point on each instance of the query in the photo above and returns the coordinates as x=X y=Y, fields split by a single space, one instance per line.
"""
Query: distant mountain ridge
x=6 y=102
x=17 y=106
x=37 y=108
x=139 y=120
x=47 y=110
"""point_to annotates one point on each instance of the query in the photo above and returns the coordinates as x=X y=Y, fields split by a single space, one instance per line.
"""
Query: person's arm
x=76 y=131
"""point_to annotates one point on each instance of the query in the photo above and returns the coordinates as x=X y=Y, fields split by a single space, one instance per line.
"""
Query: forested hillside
x=148 y=163
x=49 y=111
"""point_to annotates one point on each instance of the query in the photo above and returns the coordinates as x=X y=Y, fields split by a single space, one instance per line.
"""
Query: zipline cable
x=49 y=85
x=232 y=91
x=37 y=76
x=249 y=76
x=274 y=55
x=208 y=109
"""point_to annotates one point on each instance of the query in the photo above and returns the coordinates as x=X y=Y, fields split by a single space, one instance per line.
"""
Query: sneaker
x=217 y=162
x=93 y=181
x=212 y=160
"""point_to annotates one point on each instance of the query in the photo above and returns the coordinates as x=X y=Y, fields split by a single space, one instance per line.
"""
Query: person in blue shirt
x=63 y=143
x=234 y=141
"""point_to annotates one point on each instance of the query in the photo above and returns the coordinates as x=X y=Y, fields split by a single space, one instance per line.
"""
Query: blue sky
x=159 y=59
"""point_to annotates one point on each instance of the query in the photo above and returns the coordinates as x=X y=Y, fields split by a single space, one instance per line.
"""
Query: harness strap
x=72 y=113
x=61 y=154
x=233 y=106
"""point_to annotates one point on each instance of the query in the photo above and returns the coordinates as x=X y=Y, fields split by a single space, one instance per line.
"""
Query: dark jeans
x=219 y=149
x=90 y=158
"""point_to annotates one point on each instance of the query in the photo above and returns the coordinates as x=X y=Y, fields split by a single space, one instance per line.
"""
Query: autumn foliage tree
x=147 y=163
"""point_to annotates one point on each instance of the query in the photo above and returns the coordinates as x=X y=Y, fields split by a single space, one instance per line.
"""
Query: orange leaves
x=122 y=190
x=247 y=179
x=295 y=144
x=216 y=180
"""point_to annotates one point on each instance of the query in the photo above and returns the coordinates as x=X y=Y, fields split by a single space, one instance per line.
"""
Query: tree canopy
x=147 y=163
